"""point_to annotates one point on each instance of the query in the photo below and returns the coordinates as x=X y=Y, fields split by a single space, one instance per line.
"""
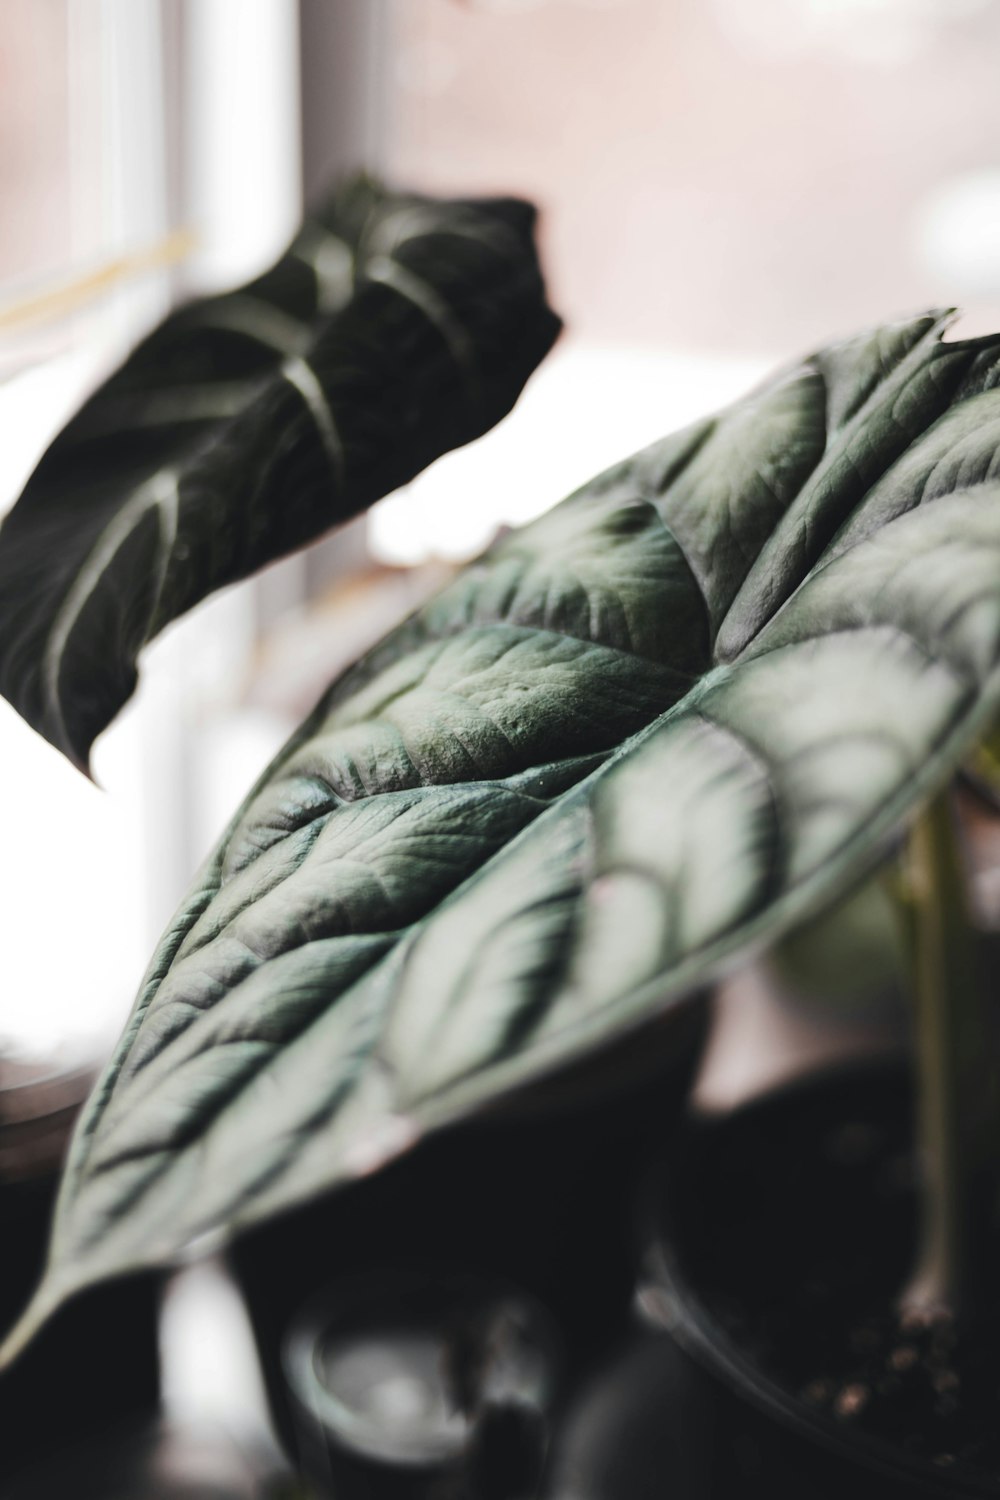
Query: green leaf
x=247 y=424
x=604 y=763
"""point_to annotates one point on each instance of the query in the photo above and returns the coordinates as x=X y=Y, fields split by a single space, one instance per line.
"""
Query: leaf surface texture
x=611 y=757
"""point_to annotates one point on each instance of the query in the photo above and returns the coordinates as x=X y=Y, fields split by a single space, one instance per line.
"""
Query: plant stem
x=957 y=1096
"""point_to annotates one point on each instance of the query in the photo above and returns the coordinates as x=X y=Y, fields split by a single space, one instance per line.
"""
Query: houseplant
x=393 y=328
x=666 y=723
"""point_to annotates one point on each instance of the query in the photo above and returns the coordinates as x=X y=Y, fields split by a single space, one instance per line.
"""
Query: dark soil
x=803 y=1235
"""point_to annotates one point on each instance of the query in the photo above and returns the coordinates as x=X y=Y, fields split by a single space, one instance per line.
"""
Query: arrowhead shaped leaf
x=612 y=756
x=247 y=424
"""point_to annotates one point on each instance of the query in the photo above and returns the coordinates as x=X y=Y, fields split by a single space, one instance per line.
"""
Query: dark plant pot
x=638 y=1425
x=422 y=1386
x=748 y=1198
x=543 y=1202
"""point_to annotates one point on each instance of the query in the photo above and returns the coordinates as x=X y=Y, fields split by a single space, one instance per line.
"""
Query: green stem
x=957 y=1097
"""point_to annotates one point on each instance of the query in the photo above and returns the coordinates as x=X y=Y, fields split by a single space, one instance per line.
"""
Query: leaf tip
x=85 y=769
x=39 y=1310
x=80 y=758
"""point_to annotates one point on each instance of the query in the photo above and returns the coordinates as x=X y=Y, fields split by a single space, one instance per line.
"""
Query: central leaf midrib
x=407 y=930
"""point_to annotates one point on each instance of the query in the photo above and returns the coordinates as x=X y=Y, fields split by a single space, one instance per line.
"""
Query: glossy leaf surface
x=611 y=757
x=394 y=329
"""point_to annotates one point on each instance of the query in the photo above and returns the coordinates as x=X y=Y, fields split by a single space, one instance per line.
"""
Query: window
x=705 y=211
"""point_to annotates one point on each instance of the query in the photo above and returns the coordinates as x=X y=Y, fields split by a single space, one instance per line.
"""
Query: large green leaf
x=393 y=329
x=602 y=764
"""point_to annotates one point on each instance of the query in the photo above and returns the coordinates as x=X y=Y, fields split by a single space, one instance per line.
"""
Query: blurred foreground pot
x=541 y=1200
x=423 y=1386
x=745 y=1202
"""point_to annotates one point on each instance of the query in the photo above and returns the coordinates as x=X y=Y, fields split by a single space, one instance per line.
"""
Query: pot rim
x=667 y=1299
x=376 y=1291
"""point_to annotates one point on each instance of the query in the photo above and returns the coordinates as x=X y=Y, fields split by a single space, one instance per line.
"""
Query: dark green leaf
x=546 y=811
x=393 y=329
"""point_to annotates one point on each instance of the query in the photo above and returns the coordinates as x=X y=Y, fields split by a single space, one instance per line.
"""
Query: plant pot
x=745 y=1210
x=542 y=1202
x=422 y=1386
x=633 y=1426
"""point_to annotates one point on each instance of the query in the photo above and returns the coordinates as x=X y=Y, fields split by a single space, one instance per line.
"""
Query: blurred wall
x=745 y=175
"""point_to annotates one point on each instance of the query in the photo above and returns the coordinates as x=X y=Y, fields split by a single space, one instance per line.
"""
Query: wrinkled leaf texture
x=682 y=711
x=394 y=329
